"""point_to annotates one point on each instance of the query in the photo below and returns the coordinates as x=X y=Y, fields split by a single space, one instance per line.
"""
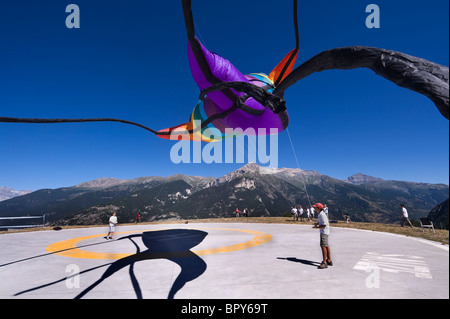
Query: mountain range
x=265 y=192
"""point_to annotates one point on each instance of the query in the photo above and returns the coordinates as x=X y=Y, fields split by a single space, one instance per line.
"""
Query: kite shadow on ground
x=173 y=245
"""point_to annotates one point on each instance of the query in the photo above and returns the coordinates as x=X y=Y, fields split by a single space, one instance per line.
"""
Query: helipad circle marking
x=68 y=248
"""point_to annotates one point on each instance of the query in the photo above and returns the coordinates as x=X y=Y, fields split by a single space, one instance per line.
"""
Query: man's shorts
x=324 y=240
x=112 y=229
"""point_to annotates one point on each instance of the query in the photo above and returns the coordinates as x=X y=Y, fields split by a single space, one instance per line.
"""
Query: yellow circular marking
x=68 y=248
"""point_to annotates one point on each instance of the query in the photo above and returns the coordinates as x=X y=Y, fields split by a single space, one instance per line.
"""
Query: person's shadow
x=174 y=245
x=301 y=261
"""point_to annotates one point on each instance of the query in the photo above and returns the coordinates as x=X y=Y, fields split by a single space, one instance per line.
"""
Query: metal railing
x=23 y=218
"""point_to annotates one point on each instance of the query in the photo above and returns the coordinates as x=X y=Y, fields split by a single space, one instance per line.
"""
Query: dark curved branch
x=419 y=75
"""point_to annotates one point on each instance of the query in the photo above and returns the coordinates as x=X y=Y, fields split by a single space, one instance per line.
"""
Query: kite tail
x=61 y=121
x=413 y=73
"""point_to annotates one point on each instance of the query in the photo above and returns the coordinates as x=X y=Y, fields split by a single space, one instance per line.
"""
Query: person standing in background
x=112 y=226
x=300 y=213
x=405 y=216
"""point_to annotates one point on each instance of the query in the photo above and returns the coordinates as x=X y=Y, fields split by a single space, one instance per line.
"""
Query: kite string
x=200 y=35
x=298 y=164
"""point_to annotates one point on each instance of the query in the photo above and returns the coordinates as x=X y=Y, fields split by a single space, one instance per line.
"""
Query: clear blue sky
x=129 y=60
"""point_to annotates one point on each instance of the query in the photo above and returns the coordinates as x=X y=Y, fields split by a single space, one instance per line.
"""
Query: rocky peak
x=360 y=178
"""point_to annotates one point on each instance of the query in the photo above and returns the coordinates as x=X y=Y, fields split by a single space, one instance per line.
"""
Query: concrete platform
x=219 y=261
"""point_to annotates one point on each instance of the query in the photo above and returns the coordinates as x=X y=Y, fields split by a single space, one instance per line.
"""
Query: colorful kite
x=231 y=102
